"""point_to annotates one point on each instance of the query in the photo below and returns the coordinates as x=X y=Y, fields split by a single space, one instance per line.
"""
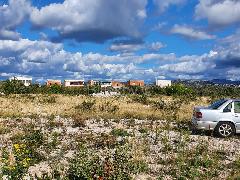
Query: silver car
x=222 y=117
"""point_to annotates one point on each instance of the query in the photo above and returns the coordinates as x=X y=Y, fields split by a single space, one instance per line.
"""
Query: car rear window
x=217 y=104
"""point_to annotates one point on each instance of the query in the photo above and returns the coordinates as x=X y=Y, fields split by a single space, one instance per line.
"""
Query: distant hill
x=208 y=82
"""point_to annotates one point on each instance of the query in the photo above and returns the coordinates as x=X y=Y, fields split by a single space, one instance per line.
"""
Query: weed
x=48 y=99
x=143 y=130
x=117 y=165
x=235 y=166
x=105 y=140
x=169 y=109
x=54 y=140
x=17 y=161
x=4 y=130
x=119 y=132
x=109 y=107
x=87 y=105
x=143 y=99
x=78 y=120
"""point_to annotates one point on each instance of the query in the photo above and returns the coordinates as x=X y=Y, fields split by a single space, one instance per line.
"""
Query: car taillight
x=198 y=115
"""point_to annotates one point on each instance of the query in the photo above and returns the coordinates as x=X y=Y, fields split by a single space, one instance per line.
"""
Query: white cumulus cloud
x=220 y=13
x=91 y=20
x=191 y=33
x=12 y=15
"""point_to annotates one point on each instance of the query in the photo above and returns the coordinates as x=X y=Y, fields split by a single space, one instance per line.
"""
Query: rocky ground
x=66 y=148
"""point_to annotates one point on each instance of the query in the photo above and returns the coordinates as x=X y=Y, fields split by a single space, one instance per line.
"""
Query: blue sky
x=120 y=40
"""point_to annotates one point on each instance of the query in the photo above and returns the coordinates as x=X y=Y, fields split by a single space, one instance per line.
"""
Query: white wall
x=25 y=80
x=163 y=83
x=106 y=84
x=67 y=83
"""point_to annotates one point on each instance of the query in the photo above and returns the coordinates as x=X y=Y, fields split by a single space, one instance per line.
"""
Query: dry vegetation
x=68 y=106
x=126 y=137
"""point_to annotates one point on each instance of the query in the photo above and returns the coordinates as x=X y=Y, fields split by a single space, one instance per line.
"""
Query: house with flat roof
x=73 y=83
x=163 y=83
x=27 y=81
x=135 y=83
x=93 y=82
x=105 y=84
x=51 y=82
x=117 y=84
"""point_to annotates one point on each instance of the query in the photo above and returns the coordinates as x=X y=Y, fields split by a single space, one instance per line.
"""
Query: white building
x=163 y=83
x=105 y=84
x=27 y=81
x=73 y=83
x=93 y=82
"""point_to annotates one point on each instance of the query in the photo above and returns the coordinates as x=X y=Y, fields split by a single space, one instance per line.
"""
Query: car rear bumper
x=203 y=125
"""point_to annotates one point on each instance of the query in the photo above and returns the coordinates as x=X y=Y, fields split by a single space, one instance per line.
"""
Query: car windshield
x=217 y=104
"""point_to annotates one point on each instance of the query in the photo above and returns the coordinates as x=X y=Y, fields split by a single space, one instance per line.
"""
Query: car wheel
x=225 y=129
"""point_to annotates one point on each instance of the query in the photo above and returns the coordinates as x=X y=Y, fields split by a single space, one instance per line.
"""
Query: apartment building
x=117 y=84
x=135 y=83
x=73 y=83
x=27 y=81
x=51 y=82
x=163 y=83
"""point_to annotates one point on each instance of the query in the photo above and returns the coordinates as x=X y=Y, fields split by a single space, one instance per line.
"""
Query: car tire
x=225 y=129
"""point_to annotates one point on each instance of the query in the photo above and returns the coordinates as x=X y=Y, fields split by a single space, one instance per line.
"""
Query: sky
x=120 y=39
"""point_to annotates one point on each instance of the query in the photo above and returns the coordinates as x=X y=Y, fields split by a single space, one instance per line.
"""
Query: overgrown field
x=125 y=137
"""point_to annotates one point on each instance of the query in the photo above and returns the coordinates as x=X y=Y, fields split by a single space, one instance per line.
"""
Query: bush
x=23 y=154
x=119 y=132
x=169 y=109
x=178 y=89
x=16 y=163
x=48 y=99
x=14 y=87
x=143 y=99
x=88 y=164
x=87 y=105
x=78 y=121
x=109 y=107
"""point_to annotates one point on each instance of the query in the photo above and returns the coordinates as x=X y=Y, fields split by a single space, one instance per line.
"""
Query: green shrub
x=235 y=166
x=143 y=99
x=16 y=163
x=119 y=132
x=169 y=109
x=86 y=105
x=14 y=87
x=88 y=164
x=196 y=163
x=4 y=130
x=177 y=89
x=143 y=130
x=23 y=154
x=109 y=107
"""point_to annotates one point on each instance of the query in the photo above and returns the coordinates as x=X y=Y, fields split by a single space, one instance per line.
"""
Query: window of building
x=76 y=83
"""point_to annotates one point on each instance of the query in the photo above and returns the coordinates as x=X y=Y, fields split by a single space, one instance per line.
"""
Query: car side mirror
x=226 y=110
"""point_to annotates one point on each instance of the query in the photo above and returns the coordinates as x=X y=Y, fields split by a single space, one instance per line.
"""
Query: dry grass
x=65 y=106
x=52 y=105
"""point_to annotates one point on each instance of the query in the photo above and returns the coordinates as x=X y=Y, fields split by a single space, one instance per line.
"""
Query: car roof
x=232 y=99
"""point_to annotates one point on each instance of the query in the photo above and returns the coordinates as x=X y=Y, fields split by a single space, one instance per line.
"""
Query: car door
x=236 y=114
